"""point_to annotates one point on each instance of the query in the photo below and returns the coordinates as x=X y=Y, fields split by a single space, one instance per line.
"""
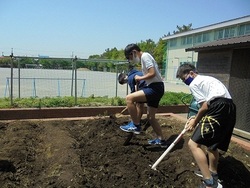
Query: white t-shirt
x=207 y=88
x=147 y=61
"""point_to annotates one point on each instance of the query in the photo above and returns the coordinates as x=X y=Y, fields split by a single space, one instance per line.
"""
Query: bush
x=169 y=98
x=173 y=98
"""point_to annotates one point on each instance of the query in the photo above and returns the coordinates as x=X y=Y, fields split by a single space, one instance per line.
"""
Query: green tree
x=183 y=28
x=147 y=46
x=25 y=61
x=66 y=64
x=159 y=52
x=5 y=62
x=45 y=63
x=91 y=65
x=112 y=53
x=94 y=56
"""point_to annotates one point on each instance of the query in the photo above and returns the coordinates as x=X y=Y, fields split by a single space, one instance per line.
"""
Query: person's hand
x=190 y=125
x=137 y=78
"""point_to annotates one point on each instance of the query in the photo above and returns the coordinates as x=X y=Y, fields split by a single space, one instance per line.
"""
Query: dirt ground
x=90 y=153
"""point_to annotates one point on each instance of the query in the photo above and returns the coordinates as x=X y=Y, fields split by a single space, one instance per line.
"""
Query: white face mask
x=136 y=59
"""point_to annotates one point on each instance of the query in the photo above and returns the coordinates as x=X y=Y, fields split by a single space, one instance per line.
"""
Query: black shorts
x=216 y=127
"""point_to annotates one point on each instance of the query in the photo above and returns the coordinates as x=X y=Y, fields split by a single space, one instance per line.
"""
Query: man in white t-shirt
x=151 y=94
x=214 y=123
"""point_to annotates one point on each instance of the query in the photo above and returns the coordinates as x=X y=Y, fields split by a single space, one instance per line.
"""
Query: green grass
x=169 y=98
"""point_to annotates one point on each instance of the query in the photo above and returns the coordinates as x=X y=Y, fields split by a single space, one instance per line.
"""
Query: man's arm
x=193 y=122
x=151 y=73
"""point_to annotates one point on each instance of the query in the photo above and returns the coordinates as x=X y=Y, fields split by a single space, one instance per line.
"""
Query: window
x=198 y=38
x=173 y=42
x=183 y=41
x=229 y=32
x=232 y=32
x=218 y=34
x=226 y=35
x=205 y=37
x=244 y=29
x=189 y=40
x=247 y=30
x=186 y=40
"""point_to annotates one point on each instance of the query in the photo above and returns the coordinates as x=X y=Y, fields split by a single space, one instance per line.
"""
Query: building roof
x=210 y=27
x=234 y=42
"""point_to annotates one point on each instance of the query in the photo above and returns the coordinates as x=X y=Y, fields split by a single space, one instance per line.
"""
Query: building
x=228 y=60
x=222 y=51
x=177 y=43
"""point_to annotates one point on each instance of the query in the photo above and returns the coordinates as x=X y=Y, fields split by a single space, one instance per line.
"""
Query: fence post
x=72 y=79
x=75 y=80
x=11 y=81
x=116 y=82
x=19 y=83
x=58 y=87
x=34 y=87
x=7 y=87
x=83 y=88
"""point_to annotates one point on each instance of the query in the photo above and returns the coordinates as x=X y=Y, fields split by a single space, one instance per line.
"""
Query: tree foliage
x=156 y=49
x=159 y=53
x=147 y=46
x=183 y=28
x=5 y=62
x=94 y=62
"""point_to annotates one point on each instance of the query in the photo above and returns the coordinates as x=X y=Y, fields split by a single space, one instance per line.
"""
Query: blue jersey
x=132 y=82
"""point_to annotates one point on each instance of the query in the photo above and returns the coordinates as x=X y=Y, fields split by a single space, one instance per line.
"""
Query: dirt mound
x=90 y=153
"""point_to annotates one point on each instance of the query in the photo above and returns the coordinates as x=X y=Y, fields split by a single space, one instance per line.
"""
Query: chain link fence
x=34 y=81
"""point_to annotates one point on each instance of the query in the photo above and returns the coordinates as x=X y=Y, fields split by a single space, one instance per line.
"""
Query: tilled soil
x=91 y=153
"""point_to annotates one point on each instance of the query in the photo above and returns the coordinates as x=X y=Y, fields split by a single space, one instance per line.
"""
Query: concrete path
x=176 y=87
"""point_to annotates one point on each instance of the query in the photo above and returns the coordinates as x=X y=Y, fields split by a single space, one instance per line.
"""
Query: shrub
x=169 y=98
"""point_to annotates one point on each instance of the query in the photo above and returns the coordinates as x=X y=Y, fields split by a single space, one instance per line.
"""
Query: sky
x=62 y=28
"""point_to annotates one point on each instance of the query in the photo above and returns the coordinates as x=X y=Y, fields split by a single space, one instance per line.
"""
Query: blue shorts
x=154 y=93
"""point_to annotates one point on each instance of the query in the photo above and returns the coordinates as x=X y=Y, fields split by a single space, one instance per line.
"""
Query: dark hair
x=129 y=48
x=185 y=69
x=121 y=78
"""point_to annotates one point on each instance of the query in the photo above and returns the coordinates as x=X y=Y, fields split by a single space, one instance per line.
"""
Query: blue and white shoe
x=126 y=126
x=131 y=128
x=159 y=142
